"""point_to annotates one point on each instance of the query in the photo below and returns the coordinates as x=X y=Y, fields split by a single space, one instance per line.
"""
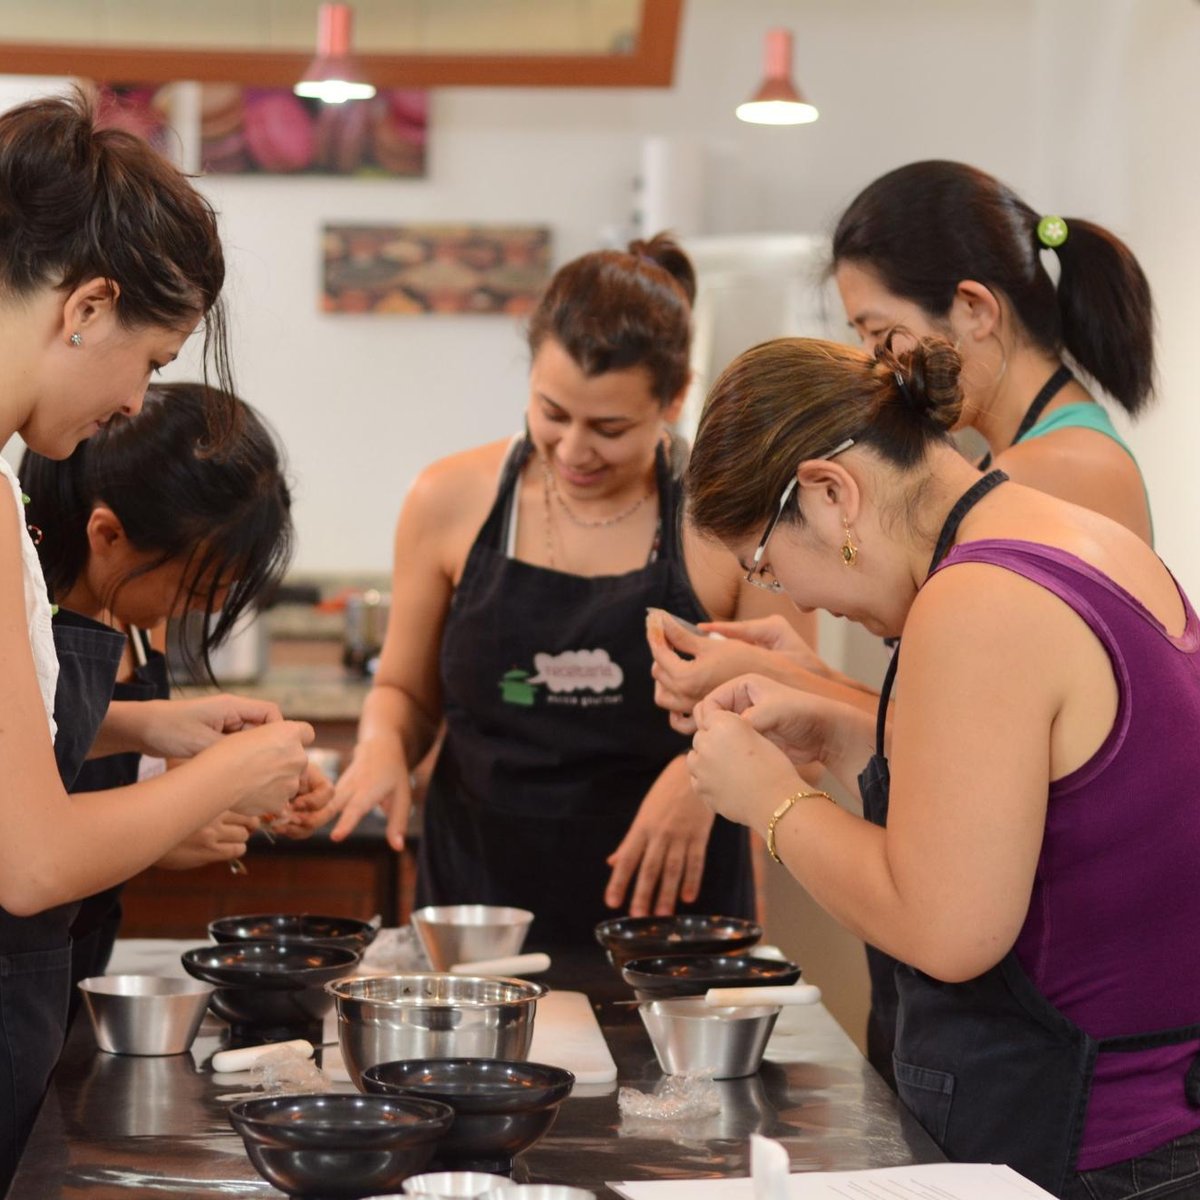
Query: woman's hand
x=665 y=847
x=377 y=777
x=262 y=766
x=182 y=728
x=314 y=805
x=765 y=645
x=221 y=840
x=737 y=771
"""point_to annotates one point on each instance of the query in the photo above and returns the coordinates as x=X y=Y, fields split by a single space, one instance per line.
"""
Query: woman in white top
x=109 y=260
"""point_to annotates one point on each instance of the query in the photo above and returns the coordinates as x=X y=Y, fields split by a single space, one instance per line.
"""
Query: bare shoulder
x=1085 y=467
x=459 y=488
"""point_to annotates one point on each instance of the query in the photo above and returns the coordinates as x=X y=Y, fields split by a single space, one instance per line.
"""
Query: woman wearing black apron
x=1033 y=820
x=121 y=517
x=522 y=579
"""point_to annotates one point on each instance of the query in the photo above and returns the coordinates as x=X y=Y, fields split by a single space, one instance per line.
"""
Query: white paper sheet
x=933 y=1181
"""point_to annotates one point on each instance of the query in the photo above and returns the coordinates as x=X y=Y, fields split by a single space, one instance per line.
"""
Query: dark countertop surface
x=114 y=1127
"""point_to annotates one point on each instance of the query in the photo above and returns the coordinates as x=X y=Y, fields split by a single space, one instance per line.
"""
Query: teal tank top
x=1086 y=415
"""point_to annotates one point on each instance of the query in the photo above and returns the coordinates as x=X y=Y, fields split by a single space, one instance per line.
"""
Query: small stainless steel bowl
x=385 y=1018
x=690 y=1035
x=144 y=1014
x=464 y=933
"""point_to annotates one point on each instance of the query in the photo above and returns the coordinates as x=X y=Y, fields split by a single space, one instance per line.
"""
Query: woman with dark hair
x=940 y=248
x=142 y=523
x=523 y=572
x=109 y=260
x=1032 y=812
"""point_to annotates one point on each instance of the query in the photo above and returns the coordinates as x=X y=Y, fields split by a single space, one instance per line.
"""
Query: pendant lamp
x=778 y=101
x=334 y=76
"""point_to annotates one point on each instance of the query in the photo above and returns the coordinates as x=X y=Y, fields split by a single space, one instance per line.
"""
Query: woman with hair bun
x=523 y=572
x=109 y=260
x=1032 y=811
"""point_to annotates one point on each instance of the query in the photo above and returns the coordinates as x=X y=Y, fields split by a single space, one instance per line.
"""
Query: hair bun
x=664 y=251
x=926 y=378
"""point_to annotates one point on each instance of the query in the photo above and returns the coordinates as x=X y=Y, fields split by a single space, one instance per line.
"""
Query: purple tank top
x=1110 y=937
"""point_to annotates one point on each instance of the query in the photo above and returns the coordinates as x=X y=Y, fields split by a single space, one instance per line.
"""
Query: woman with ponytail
x=1031 y=809
x=523 y=572
x=109 y=261
x=944 y=249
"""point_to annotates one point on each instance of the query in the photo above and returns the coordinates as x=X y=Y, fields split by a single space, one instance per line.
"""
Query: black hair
x=78 y=201
x=925 y=227
x=226 y=513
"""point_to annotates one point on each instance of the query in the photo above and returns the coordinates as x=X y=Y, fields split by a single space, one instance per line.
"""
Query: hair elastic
x=1052 y=232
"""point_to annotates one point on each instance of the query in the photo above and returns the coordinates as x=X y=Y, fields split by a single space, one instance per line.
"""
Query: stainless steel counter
x=115 y=1127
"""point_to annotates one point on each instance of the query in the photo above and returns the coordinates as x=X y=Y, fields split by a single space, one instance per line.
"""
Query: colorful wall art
x=414 y=269
x=268 y=131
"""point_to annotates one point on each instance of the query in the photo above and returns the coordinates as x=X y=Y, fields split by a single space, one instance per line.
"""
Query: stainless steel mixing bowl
x=386 y=1018
x=144 y=1014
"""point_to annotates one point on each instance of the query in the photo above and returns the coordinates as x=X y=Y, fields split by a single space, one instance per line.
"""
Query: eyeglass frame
x=754 y=573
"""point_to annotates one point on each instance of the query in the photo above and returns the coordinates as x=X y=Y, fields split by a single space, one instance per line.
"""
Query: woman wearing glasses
x=523 y=573
x=1033 y=820
x=942 y=249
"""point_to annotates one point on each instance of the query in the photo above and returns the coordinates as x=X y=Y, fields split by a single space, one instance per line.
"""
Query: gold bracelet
x=782 y=812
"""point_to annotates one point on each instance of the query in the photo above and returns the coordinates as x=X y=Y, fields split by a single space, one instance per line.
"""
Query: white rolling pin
x=516 y=964
x=799 y=993
x=245 y=1057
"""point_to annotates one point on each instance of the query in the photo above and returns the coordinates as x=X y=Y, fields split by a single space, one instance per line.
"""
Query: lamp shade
x=778 y=100
x=334 y=76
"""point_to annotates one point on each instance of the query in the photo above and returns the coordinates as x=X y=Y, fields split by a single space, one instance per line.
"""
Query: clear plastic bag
x=676 y=1098
x=286 y=1070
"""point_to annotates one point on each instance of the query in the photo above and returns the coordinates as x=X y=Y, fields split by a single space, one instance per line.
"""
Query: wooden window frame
x=651 y=64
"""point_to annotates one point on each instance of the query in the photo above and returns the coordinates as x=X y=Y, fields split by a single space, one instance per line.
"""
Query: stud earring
x=849 y=549
x=76 y=339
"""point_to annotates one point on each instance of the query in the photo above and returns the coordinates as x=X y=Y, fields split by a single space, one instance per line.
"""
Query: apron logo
x=563 y=675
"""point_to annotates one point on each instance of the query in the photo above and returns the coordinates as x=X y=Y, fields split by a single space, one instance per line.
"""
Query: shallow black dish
x=349 y=932
x=670 y=975
x=500 y=1108
x=627 y=938
x=273 y=989
x=338 y=1146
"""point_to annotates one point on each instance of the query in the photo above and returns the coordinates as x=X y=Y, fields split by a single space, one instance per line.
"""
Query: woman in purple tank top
x=1033 y=815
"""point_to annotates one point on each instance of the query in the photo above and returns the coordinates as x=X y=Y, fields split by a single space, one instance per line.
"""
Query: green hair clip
x=1052 y=232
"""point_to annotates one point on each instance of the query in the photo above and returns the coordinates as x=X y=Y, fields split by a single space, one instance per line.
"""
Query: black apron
x=1050 y=389
x=552 y=734
x=990 y=1068
x=35 y=952
x=98 y=920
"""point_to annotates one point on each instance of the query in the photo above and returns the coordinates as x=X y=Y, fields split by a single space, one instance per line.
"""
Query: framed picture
x=272 y=131
x=415 y=269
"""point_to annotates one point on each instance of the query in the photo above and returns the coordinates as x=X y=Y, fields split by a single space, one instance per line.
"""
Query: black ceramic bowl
x=500 y=1108
x=273 y=989
x=626 y=938
x=671 y=975
x=339 y=1145
x=349 y=932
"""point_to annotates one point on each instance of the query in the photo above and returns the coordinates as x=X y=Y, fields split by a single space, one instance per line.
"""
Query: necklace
x=550 y=488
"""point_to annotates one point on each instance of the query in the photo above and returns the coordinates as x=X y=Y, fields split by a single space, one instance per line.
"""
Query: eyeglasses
x=755 y=575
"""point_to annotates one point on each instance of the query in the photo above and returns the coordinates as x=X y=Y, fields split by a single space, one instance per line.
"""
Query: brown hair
x=77 y=202
x=613 y=309
x=793 y=399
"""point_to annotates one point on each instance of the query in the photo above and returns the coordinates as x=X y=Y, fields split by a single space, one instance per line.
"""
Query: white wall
x=363 y=402
x=1097 y=126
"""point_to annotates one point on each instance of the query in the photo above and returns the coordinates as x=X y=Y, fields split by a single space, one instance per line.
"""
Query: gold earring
x=849 y=549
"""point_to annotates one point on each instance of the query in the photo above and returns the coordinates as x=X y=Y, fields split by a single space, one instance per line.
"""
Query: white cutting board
x=567 y=1034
